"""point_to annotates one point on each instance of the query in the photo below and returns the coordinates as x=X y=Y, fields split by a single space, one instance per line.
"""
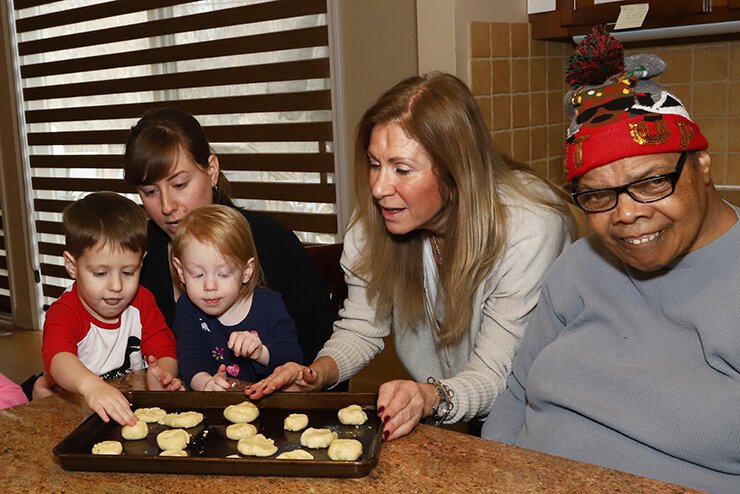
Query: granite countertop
x=428 y=460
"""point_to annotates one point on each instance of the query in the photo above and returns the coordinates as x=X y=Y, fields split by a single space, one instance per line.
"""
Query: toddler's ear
x=178 y=266
x=248 y=271
x=70 y=264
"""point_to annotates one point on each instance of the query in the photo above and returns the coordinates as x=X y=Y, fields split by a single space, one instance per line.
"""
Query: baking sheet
x=209 y=445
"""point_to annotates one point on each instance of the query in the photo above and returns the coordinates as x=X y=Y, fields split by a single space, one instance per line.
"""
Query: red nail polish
x=386 y=434
x=386 y=418
x=381 y=410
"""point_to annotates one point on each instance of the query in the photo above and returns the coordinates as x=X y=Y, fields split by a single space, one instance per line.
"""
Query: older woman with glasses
x=632 y=357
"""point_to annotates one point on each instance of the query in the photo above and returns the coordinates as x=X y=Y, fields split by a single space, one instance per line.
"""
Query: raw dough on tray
x=173 y=452
x=352 y=415
x=183 y=420
x=135 y=432
x=153 y=414
x=295 y=422
x=296 y=454
x=242 y=412
x=257 y=445
x=108 y=448
x=345 y=449
x=173 y=439
x=240 y=431
x=318 y=438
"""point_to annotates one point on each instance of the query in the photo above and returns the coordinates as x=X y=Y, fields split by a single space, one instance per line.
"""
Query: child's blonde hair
x=228 y=231
x=107 y=218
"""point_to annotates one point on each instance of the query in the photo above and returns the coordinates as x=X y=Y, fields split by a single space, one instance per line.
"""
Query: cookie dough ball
x=240 y=431
x=257 y=445
x=295 y=422
x=135 y=432
x=242 y=412
x=183 y=420
x=173 y=439
x=296 y=454
x=317 y=438
x=173 y=452
x=150 y=415
x=345 y=449
x=108 y=448
x=352 y=415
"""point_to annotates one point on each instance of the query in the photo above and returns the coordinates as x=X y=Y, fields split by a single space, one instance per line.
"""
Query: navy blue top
x=202 y=339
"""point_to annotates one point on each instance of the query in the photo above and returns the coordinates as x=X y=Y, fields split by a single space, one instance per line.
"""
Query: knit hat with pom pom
x=616 y=111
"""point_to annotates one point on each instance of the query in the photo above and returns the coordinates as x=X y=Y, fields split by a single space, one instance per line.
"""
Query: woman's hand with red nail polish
x=404 y=403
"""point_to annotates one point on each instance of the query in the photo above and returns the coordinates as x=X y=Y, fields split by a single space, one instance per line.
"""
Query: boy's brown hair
x=107 y=218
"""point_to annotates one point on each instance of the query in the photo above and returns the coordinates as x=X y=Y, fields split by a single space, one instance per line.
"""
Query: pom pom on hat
x=597 y=58
x=616 y=111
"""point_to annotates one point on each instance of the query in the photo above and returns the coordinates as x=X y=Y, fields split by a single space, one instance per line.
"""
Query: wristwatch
x=444 y=407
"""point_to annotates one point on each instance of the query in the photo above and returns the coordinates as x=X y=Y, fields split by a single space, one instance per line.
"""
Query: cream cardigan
x=476 y=368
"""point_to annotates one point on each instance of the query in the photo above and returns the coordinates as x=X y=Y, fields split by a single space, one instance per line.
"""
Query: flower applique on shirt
x=218 y=353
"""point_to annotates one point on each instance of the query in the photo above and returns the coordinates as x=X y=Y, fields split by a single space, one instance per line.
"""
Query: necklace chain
x=436 y=249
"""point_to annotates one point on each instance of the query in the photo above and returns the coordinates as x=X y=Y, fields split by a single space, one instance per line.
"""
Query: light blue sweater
x=633 y=371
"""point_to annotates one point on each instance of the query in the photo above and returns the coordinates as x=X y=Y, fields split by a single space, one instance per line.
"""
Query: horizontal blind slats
x=82 y=184
x=24 y=4
x=301 y=192
x=54 y=270
x=91 y=12
x=279 y=132
x=215 y=19
x=284 y=192
x=285 y=71
x=312 y=222
x=260 y=43
x=275 y=102
x=279 y=162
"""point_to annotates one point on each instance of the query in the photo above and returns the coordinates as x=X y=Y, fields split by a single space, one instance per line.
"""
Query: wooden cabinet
x=589 y=13
x=576 y=17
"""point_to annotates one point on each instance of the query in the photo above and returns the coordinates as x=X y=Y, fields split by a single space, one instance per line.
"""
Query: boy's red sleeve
x=157 y=338
x=63 y=329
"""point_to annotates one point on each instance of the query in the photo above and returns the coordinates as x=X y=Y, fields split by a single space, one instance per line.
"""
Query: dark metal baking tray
x=210 y=446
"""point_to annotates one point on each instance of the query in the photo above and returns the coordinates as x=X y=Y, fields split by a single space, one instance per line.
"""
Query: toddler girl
x=226 y=325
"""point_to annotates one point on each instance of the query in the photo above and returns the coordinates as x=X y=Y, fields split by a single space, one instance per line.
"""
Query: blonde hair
x=438 y=111
x=226 y=229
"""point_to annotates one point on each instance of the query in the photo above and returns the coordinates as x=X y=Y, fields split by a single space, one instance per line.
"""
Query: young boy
x=105 y=324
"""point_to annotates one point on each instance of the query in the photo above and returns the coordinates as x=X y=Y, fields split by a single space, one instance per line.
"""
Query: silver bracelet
x=442 y=410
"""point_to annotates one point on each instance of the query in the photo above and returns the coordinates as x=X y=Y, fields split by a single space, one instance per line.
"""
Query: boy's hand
x=109 y=403
x=248 y=344
x=159 y=379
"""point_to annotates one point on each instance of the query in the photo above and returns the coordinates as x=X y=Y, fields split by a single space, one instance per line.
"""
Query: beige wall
x=443 y=27
x=375 y=46
x=518 y=84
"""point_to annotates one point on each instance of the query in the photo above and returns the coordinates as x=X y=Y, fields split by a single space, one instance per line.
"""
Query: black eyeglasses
x=646 y=190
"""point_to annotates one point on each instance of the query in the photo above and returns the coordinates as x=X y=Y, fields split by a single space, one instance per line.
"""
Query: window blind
x=4 y=281
x=254 y=73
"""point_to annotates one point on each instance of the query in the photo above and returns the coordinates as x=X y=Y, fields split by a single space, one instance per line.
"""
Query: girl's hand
x=218 y=382
x=402 y=404
x=159 y=379
x=248 y=344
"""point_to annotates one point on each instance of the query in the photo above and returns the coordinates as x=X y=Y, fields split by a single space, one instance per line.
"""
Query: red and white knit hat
x=616 y=111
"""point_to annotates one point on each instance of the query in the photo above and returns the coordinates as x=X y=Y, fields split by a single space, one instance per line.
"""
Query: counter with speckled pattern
x=429 y=460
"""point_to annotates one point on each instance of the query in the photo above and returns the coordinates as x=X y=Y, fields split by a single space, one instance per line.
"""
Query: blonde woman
x=447 y=251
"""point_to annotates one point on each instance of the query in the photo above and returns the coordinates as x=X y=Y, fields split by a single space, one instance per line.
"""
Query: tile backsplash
x=519 y=85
